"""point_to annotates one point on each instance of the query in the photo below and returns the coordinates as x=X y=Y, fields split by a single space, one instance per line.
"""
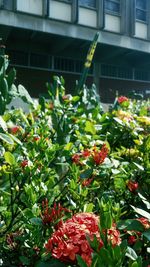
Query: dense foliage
x=74 y=181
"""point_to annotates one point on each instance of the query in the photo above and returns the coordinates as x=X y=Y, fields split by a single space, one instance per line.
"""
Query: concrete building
x=49 y=37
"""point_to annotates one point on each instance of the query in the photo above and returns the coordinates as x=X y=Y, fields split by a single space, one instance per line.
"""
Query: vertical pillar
x=148 y=19
x=74 y=11
x=133 y=17
x=45 y=8
x=100 y=14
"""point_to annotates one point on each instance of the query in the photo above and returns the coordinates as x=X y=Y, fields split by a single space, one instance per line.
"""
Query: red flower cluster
x=36 y=138
x=86 y=153
x=113 y=236
x=76 y=158
x=70 y=238
x=132 y=239
x=122 y=99
x=15 y=129
x=145 y=222
x=52 y=215
x=24 y=163
x=99 y=156
x=87 y=182
x=133 y=186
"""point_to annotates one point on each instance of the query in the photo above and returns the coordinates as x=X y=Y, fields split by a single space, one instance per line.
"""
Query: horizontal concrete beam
x=39 y=24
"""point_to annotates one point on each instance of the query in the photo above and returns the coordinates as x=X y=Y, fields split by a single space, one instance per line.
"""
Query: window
x=112 y=6
x=141 y=10
x=18 y=58
x=88 y=3
x=40 y=61
x=116 y=72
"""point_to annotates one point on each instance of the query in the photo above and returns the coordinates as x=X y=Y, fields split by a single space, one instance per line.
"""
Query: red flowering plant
x=52 y=216
x=71 y=240
x=122 y=99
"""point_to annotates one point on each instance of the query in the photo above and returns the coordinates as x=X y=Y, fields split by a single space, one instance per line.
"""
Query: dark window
x=116 y=72
x=112 y=6
x=6 y=4
x=142 y=75
x=39 y=61
x=141 y=4
x=64 y=64
x=18 y=58
x=141 y=10
x=88 y=3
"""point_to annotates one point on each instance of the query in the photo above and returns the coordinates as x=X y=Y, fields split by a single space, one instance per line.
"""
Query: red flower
x=76 y=158
x=145 y=222
x=36 y=138
x=86 y=153
x=113 y=236
x=51 y=215
x=99 y=156
x=24 y=163
x=15 y=129
x=87 y=182
x=131 y=240
x=122 y=99
x=70 y=238
x=133 y=186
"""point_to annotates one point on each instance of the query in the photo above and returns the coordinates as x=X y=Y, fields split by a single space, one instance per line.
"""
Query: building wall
x=35 y=80
x=53 y=27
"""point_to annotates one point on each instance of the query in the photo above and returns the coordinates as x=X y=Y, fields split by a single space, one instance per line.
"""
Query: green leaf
x=80 y=261
x=15 y=139
x=68 y=146
x=130 y=225
x=23 y=93
x=3 y=209
x=36 y=221
x=135 y=264
x=118 y=120
x=9 y=158
x=147 y=234
x=11 y=77
x=3 y=124
x=6 y=138
x=24 y=260
x=142 y=212
x=50 y=263
x=130 y=253
x=88 y=207
x=86 y=174
x=90 y=128
x=139 y=166
x=119 y=183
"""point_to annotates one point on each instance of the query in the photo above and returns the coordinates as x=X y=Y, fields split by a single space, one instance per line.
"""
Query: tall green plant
x=88 y=62
x=6 y=81
x=8 y=90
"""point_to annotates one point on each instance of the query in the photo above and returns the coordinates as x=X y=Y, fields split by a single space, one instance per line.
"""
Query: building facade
x=48 y=37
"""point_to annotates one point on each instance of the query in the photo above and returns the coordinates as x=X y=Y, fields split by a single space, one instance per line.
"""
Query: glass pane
x=112 y=6
x=88 y=3
x=141 y=4
x=40 y=61
x=140 y=14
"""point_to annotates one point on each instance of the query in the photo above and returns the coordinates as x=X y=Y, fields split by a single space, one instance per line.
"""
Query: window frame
x=141 y=9
x=113 y=12
x=89 y=7
x=65 y=1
